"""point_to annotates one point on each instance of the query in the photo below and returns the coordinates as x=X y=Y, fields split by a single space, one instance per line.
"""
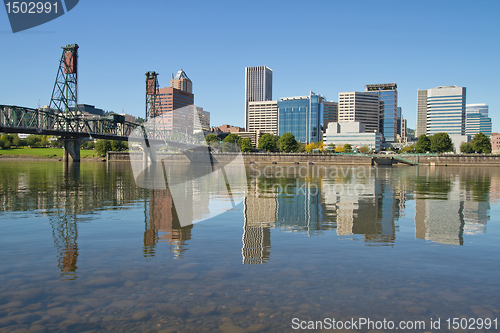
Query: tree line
x=8 y=141
x=441 y=143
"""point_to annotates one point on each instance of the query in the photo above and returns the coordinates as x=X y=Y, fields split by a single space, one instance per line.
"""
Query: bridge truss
x=17 y=119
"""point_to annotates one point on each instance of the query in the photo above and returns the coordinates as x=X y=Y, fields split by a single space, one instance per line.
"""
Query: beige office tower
x=421 y=113
x=263 y=117
x=258 y=87
x=363 y=107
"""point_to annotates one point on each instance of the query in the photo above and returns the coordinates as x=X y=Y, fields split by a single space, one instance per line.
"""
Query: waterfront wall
x=455 y=160
x=259 y=158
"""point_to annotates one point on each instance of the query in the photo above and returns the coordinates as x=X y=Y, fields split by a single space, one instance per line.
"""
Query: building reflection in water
x=260 y=216
x=163 y=225
x=451 y=202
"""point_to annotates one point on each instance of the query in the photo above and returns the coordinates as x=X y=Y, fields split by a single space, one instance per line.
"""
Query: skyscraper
x=301 y=116
x=421 y=113
x=388 y=96
x=258 y=87
x=179 y=94
x=330 y=113
x=444 y=108
x=177 y=97
x=363 y=107
x=263 y=116
x=182 y=82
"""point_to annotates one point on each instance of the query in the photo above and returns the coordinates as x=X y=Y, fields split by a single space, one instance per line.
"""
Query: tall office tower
x=178 y=95
x=421 y=113
x=477 y=119
x=399 y=115
x=301 y=116
x=258 y=87
x=263 y=117
x=363 y=107
x=182 y=82
x=388 y=96
x=330 y=113
x=476 y=123
x=445 y=110
x=404 y=130
x=477 y=108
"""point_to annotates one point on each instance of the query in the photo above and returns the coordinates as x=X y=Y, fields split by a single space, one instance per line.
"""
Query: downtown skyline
x=354 y=45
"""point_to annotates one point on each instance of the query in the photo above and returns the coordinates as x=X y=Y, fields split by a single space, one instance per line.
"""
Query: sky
x=322 y=46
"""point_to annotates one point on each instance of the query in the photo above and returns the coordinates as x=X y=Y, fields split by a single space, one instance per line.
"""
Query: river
x=84 y=249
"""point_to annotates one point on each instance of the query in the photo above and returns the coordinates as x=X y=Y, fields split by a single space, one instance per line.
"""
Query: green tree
x=212 y=140
x=246 y=145
x=32 y=140
x=301 y=147
x=2 y=143
x=268 y=142
x=466 y=148
x=481 y=143
x=102 y=147
x=347 y=148
x=118 y=145
x=423 y=144
x=364 y=149
x=441 y=142
x=16 y=141
x=44 y=142
x=231 y=143
x=408 y=149
x=287 y=143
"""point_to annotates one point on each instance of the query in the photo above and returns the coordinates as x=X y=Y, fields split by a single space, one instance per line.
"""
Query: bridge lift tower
x=152 y=98
x=65 y=99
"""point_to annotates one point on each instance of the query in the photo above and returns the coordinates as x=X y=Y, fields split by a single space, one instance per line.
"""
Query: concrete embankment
x=259 y=158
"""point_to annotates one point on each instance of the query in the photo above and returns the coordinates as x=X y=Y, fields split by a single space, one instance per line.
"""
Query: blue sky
x=322 y=46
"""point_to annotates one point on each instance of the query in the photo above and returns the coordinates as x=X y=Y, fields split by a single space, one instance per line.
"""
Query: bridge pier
x=71 y=150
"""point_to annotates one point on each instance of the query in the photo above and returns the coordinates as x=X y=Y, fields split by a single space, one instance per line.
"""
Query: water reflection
x=358 y=203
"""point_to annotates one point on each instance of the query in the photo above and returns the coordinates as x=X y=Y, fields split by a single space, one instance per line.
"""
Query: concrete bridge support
x=71 y=150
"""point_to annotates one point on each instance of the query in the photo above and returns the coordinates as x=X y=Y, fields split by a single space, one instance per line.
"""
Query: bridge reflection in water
x=446 y=205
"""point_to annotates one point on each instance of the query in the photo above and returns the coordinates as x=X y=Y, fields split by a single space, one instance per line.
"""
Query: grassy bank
x=43 y=152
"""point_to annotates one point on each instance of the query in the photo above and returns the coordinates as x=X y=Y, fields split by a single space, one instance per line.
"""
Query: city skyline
x=215 y=49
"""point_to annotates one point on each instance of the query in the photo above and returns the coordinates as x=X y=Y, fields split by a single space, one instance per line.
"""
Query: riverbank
x=37 y=154
x=335 y=159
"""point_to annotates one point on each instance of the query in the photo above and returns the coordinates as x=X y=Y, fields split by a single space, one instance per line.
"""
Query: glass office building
x=301 y=116
x=388 y=96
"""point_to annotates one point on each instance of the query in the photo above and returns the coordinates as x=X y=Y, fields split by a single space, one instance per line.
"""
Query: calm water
x=82 y=248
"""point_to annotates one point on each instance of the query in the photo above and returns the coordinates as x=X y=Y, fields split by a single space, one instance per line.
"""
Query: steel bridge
x=63 y=118
x=18 y=119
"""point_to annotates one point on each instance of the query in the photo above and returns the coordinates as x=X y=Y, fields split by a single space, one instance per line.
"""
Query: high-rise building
x=477 y=120
x=263 y=116
x=421 y=113
x=258 y=87
x=477 y=123
x=178 y=95
x=388 y=96
x=363 y=107
x=399 y=116
x=182 y=82
x=477 y=108
x=301 y=116
x=444 y=109
x=330 y=113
